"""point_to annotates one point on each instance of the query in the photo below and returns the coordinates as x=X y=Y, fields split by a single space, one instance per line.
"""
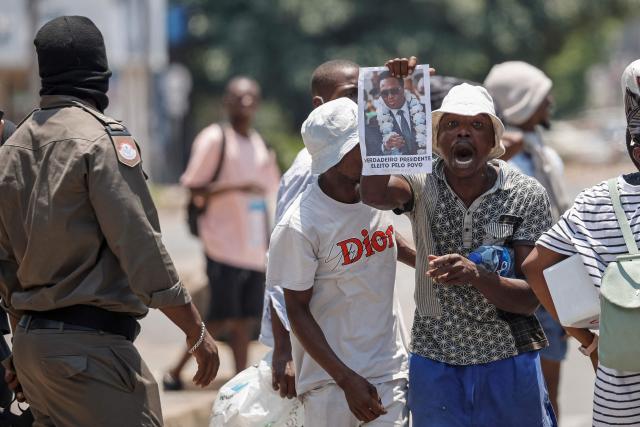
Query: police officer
x=81 y=255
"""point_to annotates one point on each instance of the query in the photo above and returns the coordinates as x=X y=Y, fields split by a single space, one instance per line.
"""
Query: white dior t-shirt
x=348 y=253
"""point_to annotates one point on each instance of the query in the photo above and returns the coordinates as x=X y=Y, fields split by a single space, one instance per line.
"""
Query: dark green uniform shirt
x=77 y=223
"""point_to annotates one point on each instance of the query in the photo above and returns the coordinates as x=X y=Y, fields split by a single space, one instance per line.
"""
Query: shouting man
x=474 y=343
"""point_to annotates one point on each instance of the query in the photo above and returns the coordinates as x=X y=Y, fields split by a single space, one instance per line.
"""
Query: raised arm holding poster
x=394 y=121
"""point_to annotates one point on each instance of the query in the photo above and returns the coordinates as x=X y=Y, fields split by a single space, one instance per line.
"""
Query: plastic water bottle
x=497 y=259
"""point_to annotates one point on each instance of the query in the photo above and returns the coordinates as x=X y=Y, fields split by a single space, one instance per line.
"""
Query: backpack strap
x=223 y=146
x=632 y=247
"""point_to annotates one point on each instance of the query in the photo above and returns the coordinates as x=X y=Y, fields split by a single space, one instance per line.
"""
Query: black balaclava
x=72 y=59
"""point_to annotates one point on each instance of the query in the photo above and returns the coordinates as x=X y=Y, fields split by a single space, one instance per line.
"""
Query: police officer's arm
x=129 y=221
x=9 y=282
x=187 y=318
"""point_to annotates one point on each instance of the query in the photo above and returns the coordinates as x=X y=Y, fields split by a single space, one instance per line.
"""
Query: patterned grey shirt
x=457 y=324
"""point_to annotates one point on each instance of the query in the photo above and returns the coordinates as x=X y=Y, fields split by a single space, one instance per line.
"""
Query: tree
x=280 y=42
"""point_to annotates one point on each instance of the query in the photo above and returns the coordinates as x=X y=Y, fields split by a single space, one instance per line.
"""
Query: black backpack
x=194 y=212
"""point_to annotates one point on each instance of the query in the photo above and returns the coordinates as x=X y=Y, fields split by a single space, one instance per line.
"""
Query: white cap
x=630 y=78
x=330 y=132
x=518 y=90
x=468 y=100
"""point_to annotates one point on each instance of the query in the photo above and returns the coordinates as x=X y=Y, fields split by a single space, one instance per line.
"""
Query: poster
x=394 y=120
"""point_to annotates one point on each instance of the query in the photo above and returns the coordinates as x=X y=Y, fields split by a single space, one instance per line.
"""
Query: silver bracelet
x=203 y=328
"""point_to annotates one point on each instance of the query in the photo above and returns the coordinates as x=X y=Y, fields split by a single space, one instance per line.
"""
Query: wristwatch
x=592 y=347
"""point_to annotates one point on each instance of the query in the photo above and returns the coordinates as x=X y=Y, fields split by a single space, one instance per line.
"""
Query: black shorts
x=236 y=293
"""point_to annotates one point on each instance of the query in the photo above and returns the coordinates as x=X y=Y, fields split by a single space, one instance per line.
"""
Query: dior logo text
x=353 y=248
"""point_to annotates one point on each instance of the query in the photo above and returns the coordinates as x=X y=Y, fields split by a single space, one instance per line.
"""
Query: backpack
x=194 y=212
x=619 y=344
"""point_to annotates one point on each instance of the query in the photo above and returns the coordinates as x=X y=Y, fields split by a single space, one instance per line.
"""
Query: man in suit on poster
x=394 y=131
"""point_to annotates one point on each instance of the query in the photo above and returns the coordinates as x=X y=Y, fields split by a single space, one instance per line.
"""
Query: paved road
x=160 y=343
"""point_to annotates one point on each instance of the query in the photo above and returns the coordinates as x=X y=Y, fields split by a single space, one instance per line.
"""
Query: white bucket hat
x=330 y=132
x=468 y=100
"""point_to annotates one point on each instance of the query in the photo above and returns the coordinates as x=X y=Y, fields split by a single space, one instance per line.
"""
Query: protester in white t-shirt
x=336 y=259
x=331 y=80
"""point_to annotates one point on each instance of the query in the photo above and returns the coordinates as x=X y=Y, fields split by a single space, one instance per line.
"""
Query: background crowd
x=582 y=48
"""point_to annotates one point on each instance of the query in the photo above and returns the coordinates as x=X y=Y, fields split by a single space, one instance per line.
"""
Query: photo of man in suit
x=393 y=129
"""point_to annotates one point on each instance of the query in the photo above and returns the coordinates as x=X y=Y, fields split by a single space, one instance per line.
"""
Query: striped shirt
x=590 y=228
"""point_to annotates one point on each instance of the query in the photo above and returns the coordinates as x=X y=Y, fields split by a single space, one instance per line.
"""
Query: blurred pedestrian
x=81 y=255
x=234 y=227
x=474 y=357
x=523 y=95
x=591 y=229
x=335 y=257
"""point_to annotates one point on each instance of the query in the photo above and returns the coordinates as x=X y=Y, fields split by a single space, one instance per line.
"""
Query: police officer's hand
x=207 y=358
x=362 y=398
x=11 y=379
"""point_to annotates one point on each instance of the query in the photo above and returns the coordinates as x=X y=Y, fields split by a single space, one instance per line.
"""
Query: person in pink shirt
x=234 y=227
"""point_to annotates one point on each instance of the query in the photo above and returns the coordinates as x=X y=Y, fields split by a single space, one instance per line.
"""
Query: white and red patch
x=126 y=150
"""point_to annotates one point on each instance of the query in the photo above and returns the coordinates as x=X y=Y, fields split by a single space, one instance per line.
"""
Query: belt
x=83 y=318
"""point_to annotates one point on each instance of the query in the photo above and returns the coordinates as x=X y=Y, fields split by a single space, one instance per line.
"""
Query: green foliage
x=280 y=42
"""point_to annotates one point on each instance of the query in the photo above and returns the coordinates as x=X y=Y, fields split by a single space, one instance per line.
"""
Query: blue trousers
x=505 y=393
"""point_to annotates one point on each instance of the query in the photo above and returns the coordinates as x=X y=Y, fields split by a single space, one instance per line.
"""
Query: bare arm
x=508 y=294
x=513 y=143
x=533 y=267
x=384 y=192
x=361 y=396
x=187 y=318
x=406 y=253
x=283 y=374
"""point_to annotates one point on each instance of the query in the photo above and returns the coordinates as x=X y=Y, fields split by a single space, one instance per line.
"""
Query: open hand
x=362 y=398
x=452 y=269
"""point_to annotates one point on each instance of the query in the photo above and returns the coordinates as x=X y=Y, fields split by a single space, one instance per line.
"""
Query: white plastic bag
x=248 y=400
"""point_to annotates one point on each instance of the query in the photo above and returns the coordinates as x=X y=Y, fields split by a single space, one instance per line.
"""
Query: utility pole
x=34 y=76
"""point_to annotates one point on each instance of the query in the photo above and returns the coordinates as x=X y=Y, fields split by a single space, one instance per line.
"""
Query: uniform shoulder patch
x=126 y=148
